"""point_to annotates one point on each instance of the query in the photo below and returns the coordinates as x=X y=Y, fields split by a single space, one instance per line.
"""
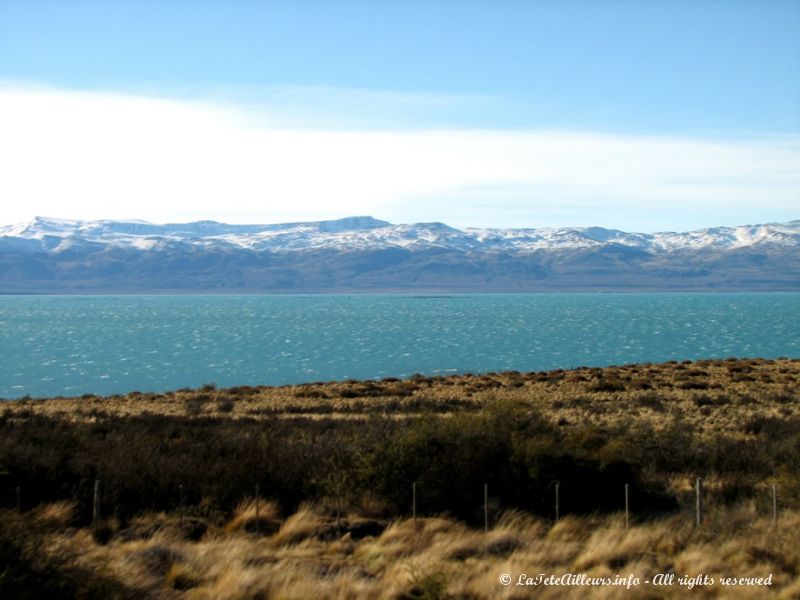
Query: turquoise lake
x=72 y=345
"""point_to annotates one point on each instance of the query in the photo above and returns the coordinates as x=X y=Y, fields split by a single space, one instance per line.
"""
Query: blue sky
x=638 y=115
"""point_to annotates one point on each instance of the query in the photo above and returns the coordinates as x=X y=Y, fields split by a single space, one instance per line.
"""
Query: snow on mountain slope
x=59 y=235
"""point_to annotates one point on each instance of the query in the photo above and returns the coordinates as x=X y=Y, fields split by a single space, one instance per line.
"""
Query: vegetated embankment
x=310 y=490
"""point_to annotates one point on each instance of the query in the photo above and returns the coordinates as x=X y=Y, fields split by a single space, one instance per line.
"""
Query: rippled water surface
x=71 y=345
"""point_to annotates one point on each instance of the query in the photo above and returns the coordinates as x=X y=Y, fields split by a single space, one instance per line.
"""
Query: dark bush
x=225 y=404
x=608 y=385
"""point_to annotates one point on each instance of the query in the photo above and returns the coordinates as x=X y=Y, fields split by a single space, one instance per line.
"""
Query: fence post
x=774 y=504
x=485 y=507
x=257 y=515
x=180 y=505
x=339 y=506
x=699 y=502
x=96 y=504
x=558 y=483
x=627 y=506
x=414 y=503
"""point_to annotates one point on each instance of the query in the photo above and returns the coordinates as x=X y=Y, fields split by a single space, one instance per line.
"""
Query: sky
x=644 y=116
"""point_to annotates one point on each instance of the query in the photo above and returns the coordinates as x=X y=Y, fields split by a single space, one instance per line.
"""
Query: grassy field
x=335 y=462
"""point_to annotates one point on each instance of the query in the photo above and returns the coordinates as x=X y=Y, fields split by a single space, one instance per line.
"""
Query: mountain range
x=363 y=254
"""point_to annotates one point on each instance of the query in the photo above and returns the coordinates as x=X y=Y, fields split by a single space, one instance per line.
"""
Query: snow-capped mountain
x=363 y=253
x=370 y=233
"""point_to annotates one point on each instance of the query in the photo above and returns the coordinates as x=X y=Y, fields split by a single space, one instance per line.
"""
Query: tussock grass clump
x=55 y=515
x=255 y=516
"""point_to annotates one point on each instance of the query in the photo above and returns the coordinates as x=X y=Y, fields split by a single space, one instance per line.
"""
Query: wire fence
x=490 y=505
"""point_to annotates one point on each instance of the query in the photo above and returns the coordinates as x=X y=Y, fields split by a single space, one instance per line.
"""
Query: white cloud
x=102 y=155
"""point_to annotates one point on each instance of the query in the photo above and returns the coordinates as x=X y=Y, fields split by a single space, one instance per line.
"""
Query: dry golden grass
x=255 y=515
x=707 y=397
x=55 y=515
x=440 y=558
